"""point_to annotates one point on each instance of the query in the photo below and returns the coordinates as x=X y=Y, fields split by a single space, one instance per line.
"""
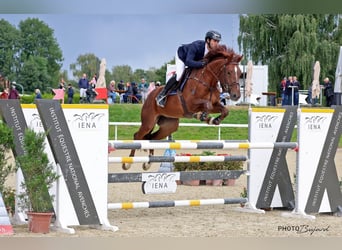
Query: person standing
x=83 y=84
x=296 y=85
x=70 y=94
x=61 y=86
x=13 y=94
x=189 y=55
x=288 y=90
x=143 y=88
x=328 y=92
x=282 y=92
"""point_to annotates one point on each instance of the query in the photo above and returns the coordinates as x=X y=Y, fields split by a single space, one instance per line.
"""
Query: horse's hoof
x=126 y=166
x=216 y=121
x=146 y=166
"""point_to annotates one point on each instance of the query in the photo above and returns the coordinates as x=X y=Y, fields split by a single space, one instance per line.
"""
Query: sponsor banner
x=88 y=126
x=13 y=116
x=158 y=183
x=269 y=183
x=65 y=154
x=318 y=187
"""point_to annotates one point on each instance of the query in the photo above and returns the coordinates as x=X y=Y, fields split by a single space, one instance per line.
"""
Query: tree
x=39 y=46
x=290 y=44
x=87 y=63
x=34 y=73
x=9 y=47
x=123 y=72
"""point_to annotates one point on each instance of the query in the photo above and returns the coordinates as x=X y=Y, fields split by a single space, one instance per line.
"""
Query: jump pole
x=176 y=203
x=199 y=145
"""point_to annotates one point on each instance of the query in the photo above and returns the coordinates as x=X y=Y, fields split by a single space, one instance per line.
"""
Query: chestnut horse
x=199 y=97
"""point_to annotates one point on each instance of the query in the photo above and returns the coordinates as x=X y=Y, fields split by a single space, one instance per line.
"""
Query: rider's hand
x=204 y=62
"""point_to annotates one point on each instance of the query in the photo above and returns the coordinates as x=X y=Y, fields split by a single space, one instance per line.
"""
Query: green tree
x=34 y=74
x=290 y=44
x=87 y=63
x=39 y=47
x=9 y=47
x=150 y=75
x=123 y=72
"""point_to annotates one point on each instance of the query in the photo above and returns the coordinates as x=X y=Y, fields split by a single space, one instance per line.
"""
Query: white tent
x=338 y=79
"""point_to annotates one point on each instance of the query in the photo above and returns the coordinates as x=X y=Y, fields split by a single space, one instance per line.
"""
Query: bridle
x=223 y=69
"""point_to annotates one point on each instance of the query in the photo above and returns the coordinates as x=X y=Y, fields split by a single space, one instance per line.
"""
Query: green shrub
x=190 y=166
x=38 y=173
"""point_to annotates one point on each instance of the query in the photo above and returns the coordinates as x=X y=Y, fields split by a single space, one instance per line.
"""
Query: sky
x=141 y=41
x=144 y=34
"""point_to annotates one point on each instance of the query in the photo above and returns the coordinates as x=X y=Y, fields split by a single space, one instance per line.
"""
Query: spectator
x=288 y=91
x=328 y=92
x=13 y=94
x=121 y=90
x=61 y=84
x=121 y=86
x=70 y=94
x=112 y=94
x=83 y=84
x=38 y=94
x=136 y=96
x=296 y=84
x=91 y=92
x=143 y=89
x=4 y=94
x=62 y=87
x=282 y=92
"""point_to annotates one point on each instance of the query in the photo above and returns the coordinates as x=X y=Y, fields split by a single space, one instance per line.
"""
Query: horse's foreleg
x=204 y=117
x=223 y=114
x=126 y=166
x=147 y=165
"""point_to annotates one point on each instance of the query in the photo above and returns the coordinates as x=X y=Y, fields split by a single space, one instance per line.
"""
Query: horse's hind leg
x=166 y=127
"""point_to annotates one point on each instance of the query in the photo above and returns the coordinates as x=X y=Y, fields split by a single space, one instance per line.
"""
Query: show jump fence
x=81 y=193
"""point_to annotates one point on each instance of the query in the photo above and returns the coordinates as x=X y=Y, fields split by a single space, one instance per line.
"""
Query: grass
x=237 y=115
x=131 y=113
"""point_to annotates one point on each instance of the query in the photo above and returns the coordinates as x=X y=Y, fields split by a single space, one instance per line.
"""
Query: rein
x=223 y=67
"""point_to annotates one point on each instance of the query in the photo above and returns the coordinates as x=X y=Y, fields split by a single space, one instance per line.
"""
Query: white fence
x=117 y=124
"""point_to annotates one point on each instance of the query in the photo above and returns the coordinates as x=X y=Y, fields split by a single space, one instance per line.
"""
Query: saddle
x=182 y=81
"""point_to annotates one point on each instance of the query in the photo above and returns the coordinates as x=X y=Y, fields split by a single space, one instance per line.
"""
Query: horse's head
x=225 y=63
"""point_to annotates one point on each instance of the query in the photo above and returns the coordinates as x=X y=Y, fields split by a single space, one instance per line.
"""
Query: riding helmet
x=213 y=35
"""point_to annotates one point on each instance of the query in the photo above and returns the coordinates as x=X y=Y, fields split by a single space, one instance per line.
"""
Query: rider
x=189 y=55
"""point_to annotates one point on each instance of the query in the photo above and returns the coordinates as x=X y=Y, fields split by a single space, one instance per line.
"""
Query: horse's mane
x=221 y=51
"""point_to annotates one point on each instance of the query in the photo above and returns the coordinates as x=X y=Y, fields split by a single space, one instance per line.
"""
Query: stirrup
x=161 y=101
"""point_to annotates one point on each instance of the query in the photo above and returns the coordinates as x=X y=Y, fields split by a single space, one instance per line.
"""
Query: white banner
x=88 y=125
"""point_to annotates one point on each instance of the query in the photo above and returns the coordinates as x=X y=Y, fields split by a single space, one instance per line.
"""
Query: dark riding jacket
x=192 y=54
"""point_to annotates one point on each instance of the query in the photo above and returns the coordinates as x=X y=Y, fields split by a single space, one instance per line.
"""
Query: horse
x=199 y=97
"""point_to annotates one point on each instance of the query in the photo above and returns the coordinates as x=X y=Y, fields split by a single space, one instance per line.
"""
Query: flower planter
x=39 y=222
x=218 y=182
x=191 y=183
x=209 y=182
x=229 y=182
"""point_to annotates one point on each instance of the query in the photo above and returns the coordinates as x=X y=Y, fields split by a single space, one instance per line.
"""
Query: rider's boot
x=162 y=96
